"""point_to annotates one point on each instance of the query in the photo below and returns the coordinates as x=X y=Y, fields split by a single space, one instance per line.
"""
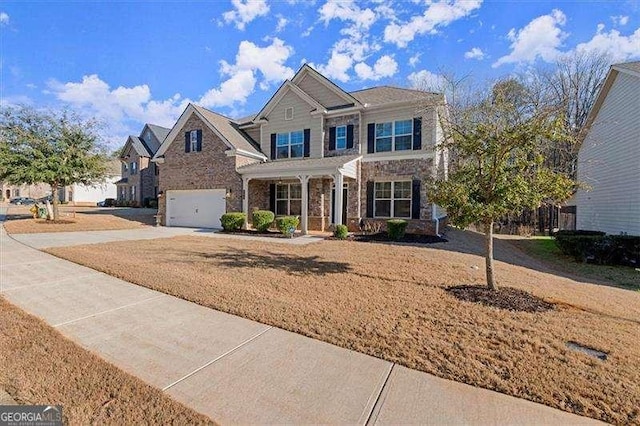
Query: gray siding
x=609 y=163
x=320 y=92
x=254 y=133
x=302 y=119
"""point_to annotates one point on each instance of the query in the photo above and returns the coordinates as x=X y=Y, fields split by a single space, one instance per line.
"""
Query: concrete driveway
x=239 y=371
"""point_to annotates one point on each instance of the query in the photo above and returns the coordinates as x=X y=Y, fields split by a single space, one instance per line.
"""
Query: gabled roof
x=286 y=87
x=381 y=95
x=159 y=132
x=138 y=145
x=225 y=128
x=630 y=68
x=307 y=69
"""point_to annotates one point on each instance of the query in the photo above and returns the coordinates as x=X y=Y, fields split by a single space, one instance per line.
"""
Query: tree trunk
x=488 y=233
x=55 y=201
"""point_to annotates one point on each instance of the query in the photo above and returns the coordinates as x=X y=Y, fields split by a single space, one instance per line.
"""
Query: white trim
x=307 y=70
x=392 y=199
x=344 y=111
x=392 y=136
x=398 y=155
x=243 y=153
x=282 y=91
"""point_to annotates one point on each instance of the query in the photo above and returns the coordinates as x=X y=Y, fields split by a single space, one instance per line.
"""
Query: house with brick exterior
x=139 y=182
x=314 y=151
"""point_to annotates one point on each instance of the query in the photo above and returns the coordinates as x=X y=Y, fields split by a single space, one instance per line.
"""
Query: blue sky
x=133 y=62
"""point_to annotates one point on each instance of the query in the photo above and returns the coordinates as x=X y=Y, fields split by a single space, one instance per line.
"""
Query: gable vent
x=288 y=113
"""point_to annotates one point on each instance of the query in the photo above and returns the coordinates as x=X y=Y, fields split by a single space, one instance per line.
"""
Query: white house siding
x=320 y=92
x=92 y=194
x=302 y=119
x=609 y=162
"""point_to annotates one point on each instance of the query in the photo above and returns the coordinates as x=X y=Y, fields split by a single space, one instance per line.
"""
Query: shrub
x=287 y=224
x=232 y=221
x=262 y=220
x=595 y=247
x=578 y=232
x=396 y=228
x=341 y=232
x=153 y=204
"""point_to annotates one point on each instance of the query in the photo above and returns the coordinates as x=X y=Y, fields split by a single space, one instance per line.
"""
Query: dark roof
x=122 y=181
x=631 y=66
x=160 y=133
x=387 y=94
x=140 y=146
x=229 y=129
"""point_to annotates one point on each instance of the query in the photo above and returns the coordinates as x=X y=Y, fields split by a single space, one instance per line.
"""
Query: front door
x=344 y=204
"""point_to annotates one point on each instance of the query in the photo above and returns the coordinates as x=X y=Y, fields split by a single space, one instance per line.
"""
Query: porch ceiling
x=311 y=167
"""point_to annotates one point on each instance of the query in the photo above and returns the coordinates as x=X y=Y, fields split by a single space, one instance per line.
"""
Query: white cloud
x=337 y=67
x=269 y=60
x=415 y=59
x=426 y=80
x=540 y=38
x=245 y=11
x=621 y=20
x=436 y=15
x=386 y=66
x=4 y=18
x=347 y=10
x=282 y=23
x=475 y=53
x=235 y=89
x=619 y=47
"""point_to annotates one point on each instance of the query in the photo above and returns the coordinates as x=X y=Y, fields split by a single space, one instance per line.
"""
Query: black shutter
x=273 y=146
x=371 y=138
x=307 y=142
x=187 y=142
x=272 y=197
x=199 y=144
x=417 y=133
x=332 y=138
x=415 y=199
x=349 y=136
x=370 y=189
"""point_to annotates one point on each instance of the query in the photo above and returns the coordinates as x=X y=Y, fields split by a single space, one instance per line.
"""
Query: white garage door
x=199 y=208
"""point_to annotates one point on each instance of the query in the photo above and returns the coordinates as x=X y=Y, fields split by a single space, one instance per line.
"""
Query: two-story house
x=313 y=150
x=139 y=182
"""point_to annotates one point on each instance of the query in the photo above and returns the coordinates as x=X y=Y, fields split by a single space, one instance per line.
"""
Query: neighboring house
x=31 y=191
x=89 y=195
x=379 y=147
x=139 y=182
x=609 y=157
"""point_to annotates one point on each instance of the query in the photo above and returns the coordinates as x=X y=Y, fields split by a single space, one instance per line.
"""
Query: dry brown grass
x=389 y=301
x=74 y=222
x=40 y=366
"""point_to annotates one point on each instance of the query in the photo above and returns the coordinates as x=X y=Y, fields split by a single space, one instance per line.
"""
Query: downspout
x=435 y=218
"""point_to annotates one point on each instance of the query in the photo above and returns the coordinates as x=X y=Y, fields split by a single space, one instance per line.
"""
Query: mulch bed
x=381 y=237
x=507 y=298
x=254 y=233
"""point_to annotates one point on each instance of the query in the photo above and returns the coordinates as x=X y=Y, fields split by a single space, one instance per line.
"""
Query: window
x=394 y=136
x=288 y=199
x=16 y=192
x=123 y=194
x=288 y=113
x=290 y=145
x=392 y=199
x=193 y=138
x=341 y=137
x=133 y=166
x=133 y=192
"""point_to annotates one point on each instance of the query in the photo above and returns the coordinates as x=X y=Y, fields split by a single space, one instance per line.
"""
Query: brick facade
x=342 y=121
x=401 y=170
x=210 y=168
x=145 y=180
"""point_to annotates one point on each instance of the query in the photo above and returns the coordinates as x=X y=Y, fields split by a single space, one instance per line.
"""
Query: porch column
x=304 y=183
x=245 y=201
x=338 y=180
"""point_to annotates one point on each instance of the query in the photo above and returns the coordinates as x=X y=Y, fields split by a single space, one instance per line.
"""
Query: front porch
x=305 y=188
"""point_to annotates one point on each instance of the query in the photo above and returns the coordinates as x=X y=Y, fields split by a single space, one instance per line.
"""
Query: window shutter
x=272 y=197
x=187 y=142
x=307 y=141
x=371 y=138
x=417 y=133
x=370 y=189
x=332 y=138
x=415 y=199
x=199 y=144
x=273 y=146
x=349 y=136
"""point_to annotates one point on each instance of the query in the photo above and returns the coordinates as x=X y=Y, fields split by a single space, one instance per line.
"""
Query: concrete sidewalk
x=239 y=371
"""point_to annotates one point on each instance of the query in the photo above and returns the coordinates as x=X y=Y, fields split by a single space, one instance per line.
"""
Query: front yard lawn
x=545 y=249
x=390 y=301
x=40 y=366
x=20 y=222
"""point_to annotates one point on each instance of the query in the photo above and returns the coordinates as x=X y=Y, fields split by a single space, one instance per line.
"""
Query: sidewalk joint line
x=229 y=352
x=375 y=403
x=56 y=282
x=109 y=310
